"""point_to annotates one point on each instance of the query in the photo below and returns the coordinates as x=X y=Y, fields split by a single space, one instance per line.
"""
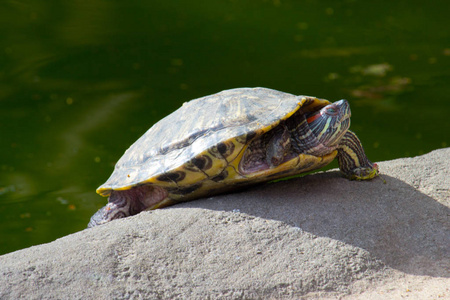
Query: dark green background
x=82 y=80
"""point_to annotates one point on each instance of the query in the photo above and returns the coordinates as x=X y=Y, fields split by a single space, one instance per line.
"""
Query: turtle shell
x=203 y=137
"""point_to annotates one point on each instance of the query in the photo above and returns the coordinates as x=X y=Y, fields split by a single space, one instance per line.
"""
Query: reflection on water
x=81 y=81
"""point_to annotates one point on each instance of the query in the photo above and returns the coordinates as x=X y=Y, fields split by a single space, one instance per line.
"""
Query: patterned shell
x=202 y=124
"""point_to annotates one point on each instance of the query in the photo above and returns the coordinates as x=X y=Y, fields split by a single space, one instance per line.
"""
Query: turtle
x=228 y=140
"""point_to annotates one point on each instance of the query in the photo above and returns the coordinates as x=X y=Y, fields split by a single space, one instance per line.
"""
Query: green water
x=82 y=80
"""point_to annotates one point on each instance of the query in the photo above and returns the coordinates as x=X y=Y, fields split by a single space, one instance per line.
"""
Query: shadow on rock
x=396 y=223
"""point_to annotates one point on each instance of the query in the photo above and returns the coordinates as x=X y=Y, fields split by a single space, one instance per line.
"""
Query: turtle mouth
x=344 y=110
x=345 y=115
x=340 y=111
x=346 y=122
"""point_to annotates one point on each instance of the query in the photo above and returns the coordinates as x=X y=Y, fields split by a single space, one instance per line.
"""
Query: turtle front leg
x=352 y=160
x=278 y=146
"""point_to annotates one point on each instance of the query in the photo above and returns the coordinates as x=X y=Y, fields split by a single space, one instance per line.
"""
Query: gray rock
x=319 y=236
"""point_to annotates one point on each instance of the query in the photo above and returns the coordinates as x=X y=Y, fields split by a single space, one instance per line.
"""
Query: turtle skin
x=215 y=143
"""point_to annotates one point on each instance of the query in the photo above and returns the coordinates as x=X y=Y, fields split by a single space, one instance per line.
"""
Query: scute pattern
x=199 y=163
x=201 y=134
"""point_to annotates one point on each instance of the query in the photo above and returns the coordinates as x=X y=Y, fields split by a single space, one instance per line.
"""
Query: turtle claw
x=363 y=173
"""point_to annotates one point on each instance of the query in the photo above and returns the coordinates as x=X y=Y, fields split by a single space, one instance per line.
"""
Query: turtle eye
x=331 y=110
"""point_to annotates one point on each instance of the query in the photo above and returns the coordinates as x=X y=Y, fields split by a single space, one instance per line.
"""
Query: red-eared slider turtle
x=230 y=139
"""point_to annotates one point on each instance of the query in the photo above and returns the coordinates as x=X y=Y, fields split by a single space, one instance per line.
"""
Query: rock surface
x=319 y=236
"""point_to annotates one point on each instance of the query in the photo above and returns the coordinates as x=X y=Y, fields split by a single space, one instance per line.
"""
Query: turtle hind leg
x=352 y=160
x=128 y=203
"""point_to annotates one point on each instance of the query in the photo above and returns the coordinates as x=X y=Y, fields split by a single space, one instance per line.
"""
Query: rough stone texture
x=319 y=236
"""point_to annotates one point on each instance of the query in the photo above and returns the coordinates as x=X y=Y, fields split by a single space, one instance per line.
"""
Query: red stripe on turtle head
x=313 y=117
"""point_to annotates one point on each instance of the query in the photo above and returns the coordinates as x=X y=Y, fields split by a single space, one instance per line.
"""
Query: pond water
x=82 y=80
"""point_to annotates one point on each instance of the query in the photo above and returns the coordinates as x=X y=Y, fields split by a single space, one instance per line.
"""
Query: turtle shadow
x=404 y=228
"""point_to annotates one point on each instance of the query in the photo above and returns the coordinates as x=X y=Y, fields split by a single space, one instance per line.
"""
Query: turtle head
x=330 y=123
